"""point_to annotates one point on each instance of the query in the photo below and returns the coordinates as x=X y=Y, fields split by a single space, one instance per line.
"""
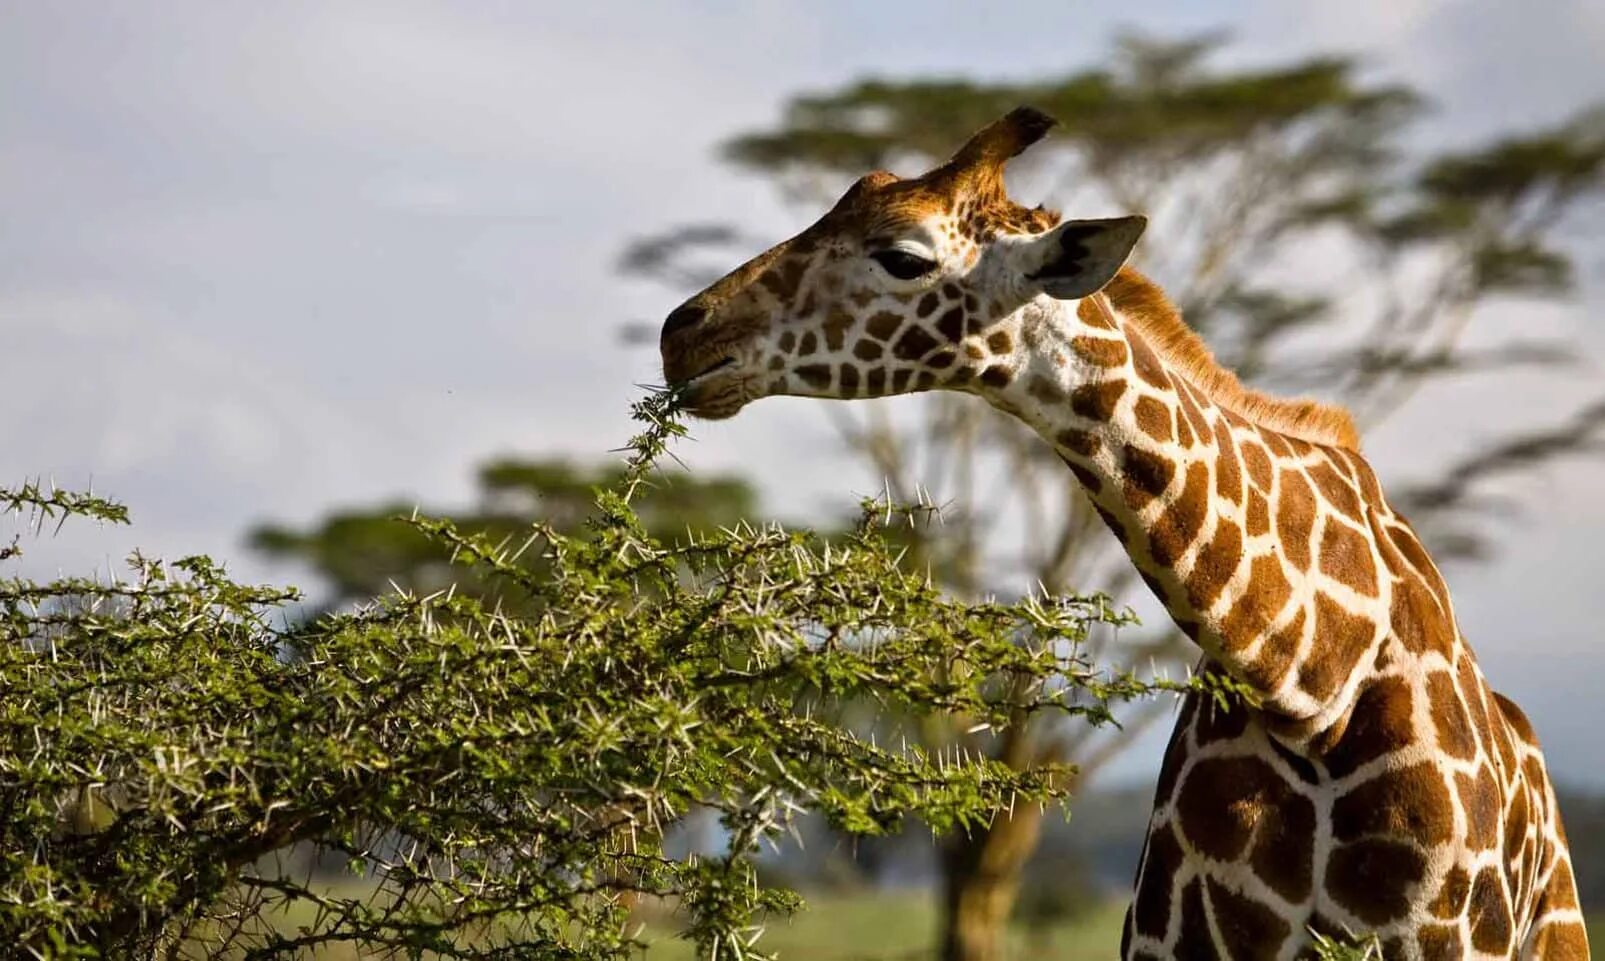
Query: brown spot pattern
x=1341 y=640
x=1335 y=489
x=1449 y=717
x=1258 y=464
x=1295 y=516
x=1489 y=913
x=914 y=344
x=1229 y=806
x=1451 y=897
x=996 y=376
x=1102 y=351
x=1097 y=401
x=1228 y=476
x=1258 y=514
x=1217 y=561
x=1182 y=519
x=1479 y=799
x=1188 y=395
x=883 y=325
x=1405 y=540
x=1412 y=803
x=1374 y=879
x=815 y=375
x=1195 y=933
x=1260 y=604
x=847 y=379
x=1154 y=418
x=1217 y=722
x=1160 y=862
x=1440 y=942
x=1146 y=475
x=1382 y=722
x=1091 y=313
x=1146 y=362
x=1417 y=621
x=1276 y=655
x=1346 y=557
x=1079 y=441
x=1249 y=930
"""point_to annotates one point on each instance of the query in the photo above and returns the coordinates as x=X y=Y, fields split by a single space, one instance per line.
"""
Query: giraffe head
x=904 y=285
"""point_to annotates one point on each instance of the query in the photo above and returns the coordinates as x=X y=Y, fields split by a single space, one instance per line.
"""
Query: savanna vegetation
x=497 y=771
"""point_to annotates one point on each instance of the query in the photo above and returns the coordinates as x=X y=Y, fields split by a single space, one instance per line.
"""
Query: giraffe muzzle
x=714 y=391
x=707 y=372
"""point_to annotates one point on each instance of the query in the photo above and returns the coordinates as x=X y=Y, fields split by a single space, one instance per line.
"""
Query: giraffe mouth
x=707 y=372
x=712 y=393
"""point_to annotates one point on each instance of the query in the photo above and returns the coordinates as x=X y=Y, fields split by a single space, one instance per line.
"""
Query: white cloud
x=261 y=261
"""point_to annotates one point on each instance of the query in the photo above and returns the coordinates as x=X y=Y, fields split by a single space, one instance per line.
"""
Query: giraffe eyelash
x=903 y=264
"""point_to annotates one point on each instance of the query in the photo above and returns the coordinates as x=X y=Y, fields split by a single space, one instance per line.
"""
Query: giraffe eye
x=902 y=264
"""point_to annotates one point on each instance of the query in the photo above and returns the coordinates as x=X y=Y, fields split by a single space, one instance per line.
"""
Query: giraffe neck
x=1263 y=547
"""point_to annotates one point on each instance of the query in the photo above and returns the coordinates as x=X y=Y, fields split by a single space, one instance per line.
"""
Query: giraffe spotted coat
x=1380 y=786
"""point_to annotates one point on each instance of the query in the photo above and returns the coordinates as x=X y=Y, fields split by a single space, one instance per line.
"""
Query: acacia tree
x=360 y=553
x=1289 y=225
x=502 y=776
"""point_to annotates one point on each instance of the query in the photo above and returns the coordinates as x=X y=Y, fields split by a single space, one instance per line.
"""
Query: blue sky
x=258 y=261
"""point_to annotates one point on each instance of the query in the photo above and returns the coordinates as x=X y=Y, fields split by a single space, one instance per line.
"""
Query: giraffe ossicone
x=1381 y=786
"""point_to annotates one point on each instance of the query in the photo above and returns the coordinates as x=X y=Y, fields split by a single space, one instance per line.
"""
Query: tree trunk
x=980 y=877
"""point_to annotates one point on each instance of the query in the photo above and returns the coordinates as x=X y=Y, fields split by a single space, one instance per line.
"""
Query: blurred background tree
x=1297 y=232
x=359 y=553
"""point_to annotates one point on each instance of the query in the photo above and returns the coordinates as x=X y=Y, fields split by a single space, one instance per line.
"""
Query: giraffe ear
x=1076 y=258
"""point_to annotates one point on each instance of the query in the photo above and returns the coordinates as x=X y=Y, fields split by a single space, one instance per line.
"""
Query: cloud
x=117 y=393
x=262 y=261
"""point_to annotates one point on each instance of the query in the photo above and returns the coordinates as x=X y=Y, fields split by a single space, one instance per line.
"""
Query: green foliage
x=1328 y=948
x=1155 y=101
x=505 y=778
x=361 y=553
x=41 y=505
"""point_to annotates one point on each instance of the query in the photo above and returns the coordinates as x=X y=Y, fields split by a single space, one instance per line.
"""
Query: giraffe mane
x=1141 y=302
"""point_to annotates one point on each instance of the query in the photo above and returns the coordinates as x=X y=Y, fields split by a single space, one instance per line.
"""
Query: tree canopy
x=502 y=774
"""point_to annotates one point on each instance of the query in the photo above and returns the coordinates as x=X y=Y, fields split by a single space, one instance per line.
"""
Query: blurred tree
x=1584 y=812
x=361 y=552
x=1295 y=235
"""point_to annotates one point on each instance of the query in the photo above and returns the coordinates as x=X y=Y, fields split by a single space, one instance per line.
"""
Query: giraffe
x=1377 y=784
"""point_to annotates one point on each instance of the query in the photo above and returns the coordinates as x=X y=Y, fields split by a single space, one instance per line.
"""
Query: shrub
x=502 y=780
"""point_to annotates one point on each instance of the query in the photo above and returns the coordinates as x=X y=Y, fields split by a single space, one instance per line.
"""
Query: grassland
x=895 y=926
x=879 y=926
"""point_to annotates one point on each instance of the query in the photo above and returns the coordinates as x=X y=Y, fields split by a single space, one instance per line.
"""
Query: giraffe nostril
x=686 y=315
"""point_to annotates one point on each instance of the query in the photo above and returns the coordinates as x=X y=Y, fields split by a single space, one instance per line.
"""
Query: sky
x=258 y=261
